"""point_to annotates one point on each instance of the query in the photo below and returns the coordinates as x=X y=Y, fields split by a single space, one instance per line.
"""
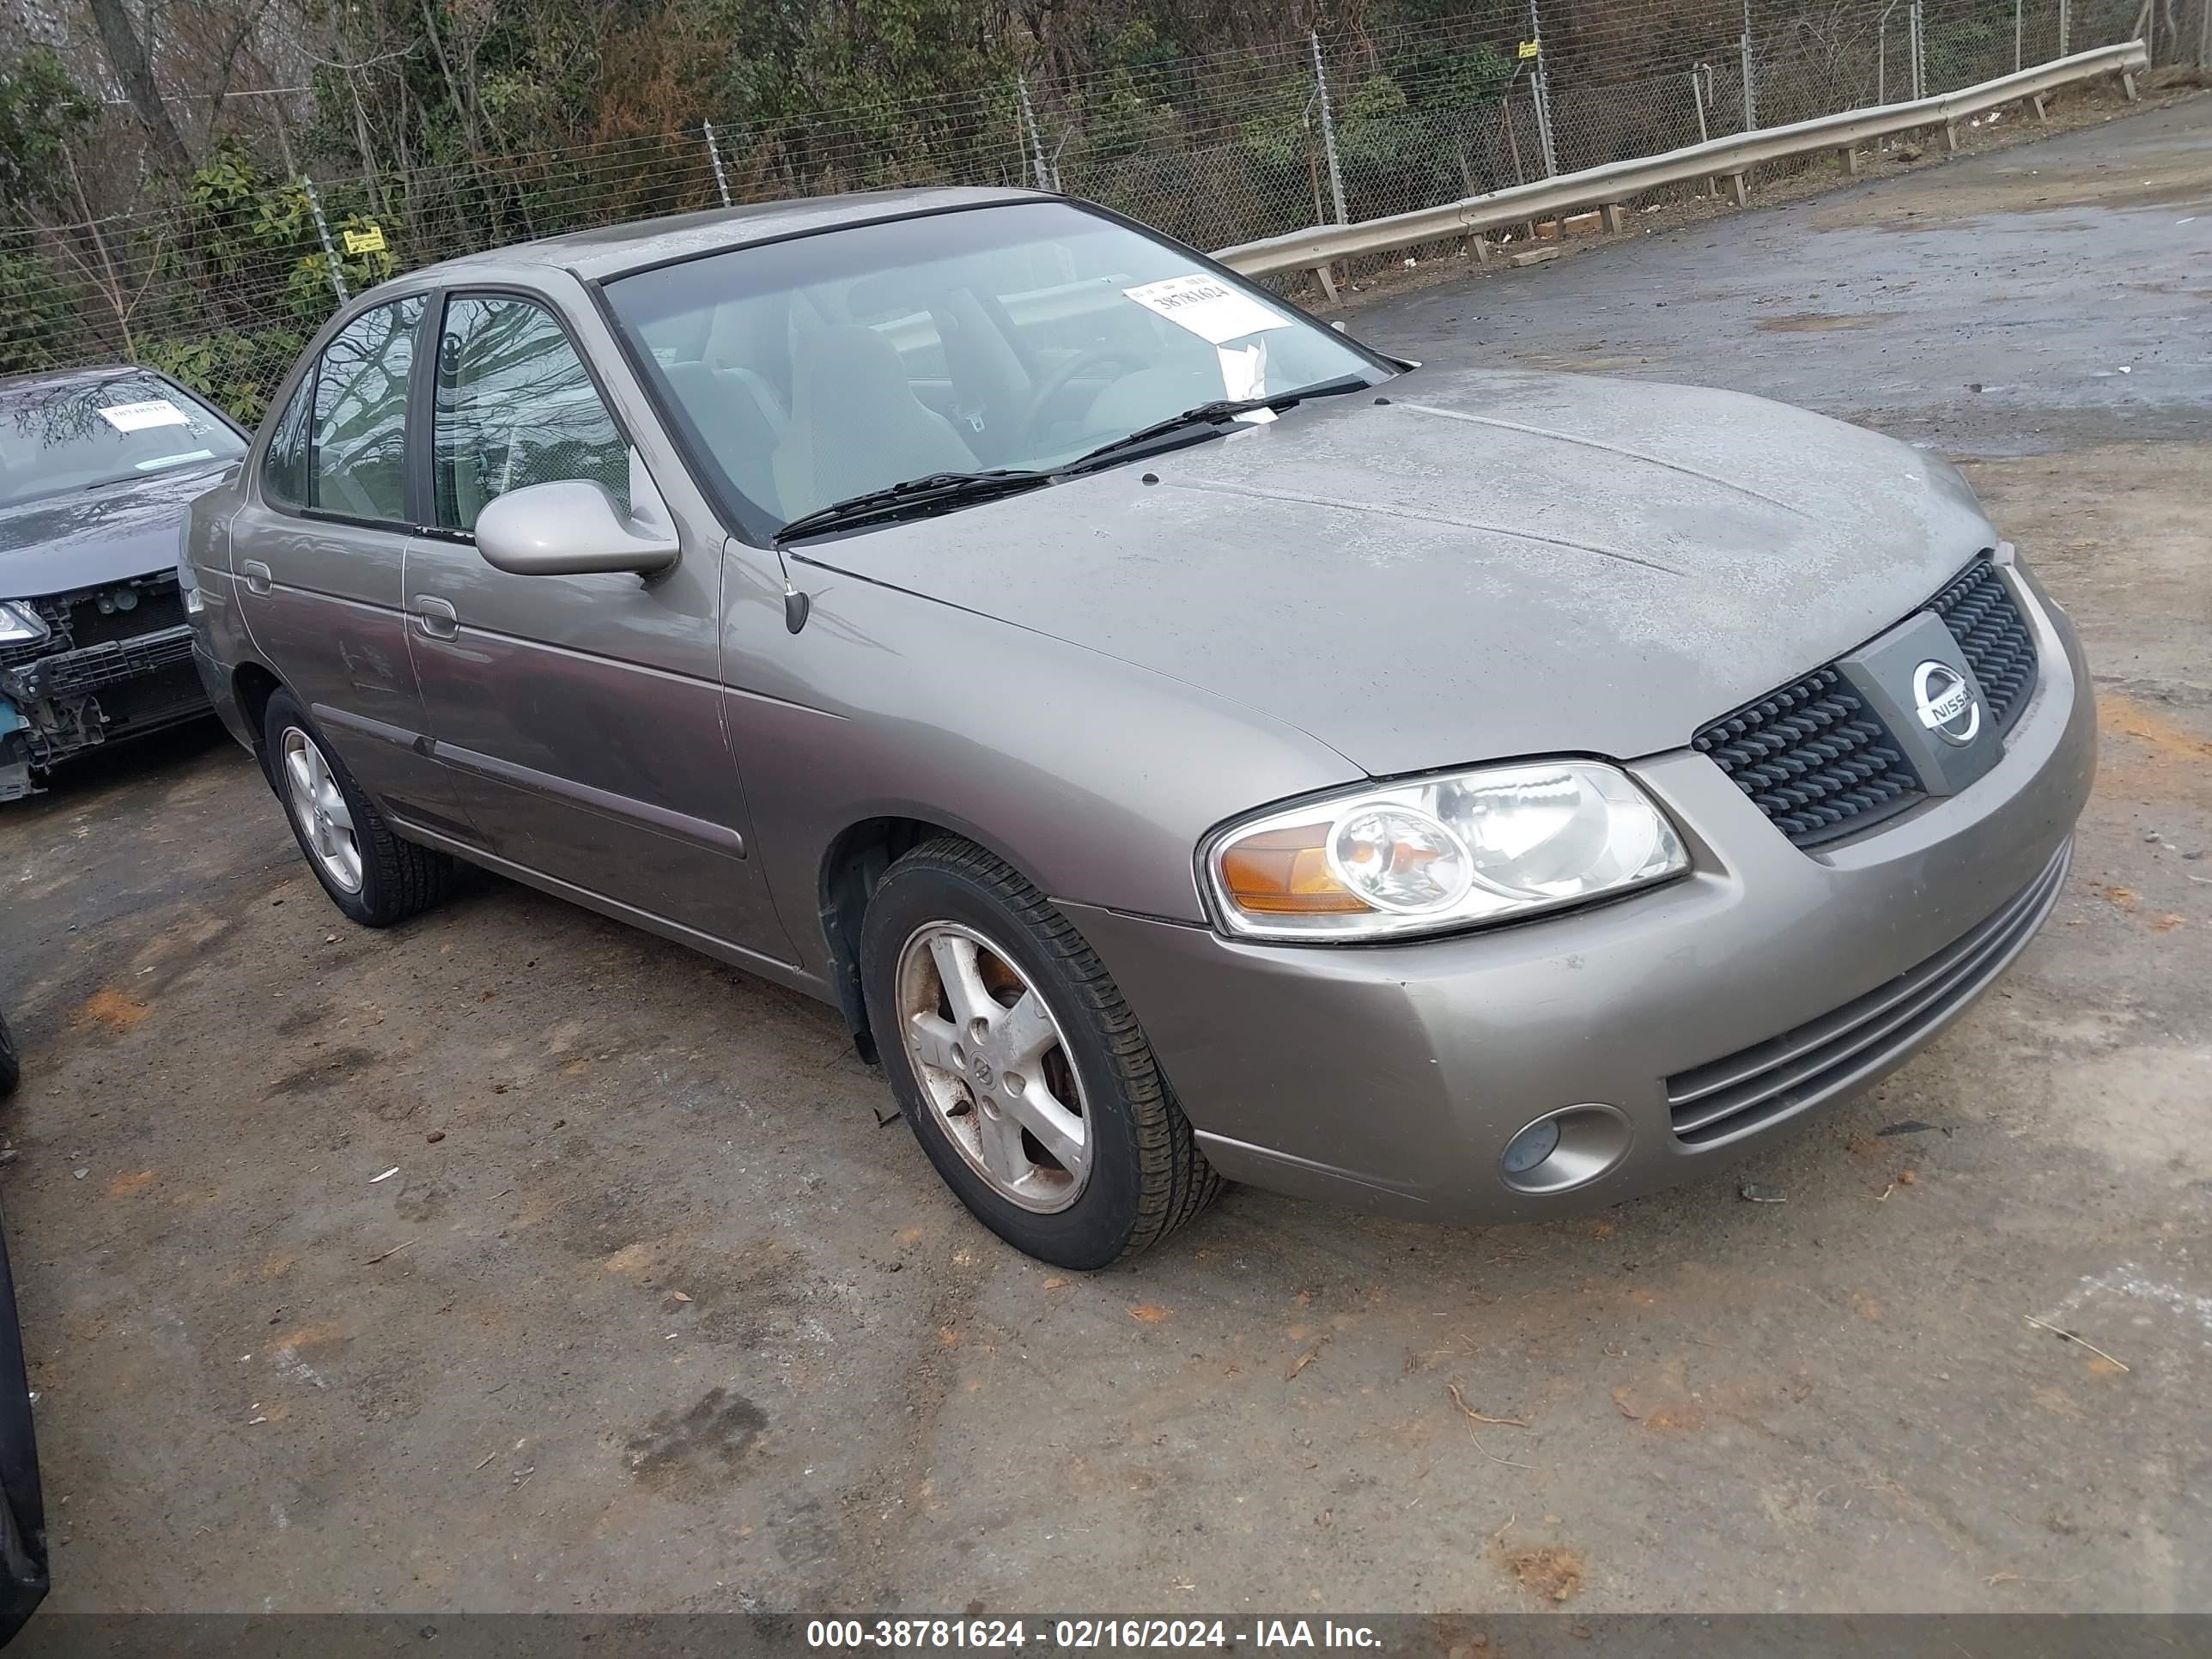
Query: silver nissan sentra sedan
x=1185 y=745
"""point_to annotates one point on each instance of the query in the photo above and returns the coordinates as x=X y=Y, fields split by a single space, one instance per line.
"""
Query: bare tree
x=126 y=56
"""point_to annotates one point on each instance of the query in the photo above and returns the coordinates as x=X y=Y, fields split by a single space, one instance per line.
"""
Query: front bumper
x=100 y=675
x=1768 y=981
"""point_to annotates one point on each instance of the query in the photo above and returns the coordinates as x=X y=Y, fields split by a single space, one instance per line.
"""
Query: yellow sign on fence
x=365 y=241
x=1529 y=48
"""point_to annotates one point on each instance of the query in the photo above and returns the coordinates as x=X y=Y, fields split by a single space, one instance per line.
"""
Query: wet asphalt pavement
x=655 y=1316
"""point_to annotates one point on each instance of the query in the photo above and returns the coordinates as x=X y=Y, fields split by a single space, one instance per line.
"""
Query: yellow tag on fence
x=365 y=241
x=1529 y=48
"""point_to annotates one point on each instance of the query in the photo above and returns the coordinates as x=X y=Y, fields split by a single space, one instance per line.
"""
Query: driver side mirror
x=572 y=527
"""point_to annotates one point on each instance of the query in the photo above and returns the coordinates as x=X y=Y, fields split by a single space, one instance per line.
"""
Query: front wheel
x=1022 y=1072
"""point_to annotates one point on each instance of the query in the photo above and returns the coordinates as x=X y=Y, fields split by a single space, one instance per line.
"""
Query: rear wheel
x=11 y=1069
x=370 y=873
x=1021 y=1070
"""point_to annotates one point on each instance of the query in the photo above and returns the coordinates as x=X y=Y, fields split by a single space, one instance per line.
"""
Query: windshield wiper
x=937 y=490
x=1218 y=412
x=915 y=496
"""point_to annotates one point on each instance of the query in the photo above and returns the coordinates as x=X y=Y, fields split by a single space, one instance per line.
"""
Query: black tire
x=1147 y=1175
x=398 y=880
x=11 y=1068
x=23 y=1574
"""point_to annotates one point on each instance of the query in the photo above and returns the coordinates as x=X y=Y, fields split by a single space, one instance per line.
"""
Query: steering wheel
x=1057 y=381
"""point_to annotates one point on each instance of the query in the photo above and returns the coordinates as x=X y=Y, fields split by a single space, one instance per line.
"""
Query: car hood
x=89 y=537
x=1468 y=566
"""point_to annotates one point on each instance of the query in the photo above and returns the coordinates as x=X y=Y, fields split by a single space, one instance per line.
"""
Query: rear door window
x=357 y=460
x=284 y=468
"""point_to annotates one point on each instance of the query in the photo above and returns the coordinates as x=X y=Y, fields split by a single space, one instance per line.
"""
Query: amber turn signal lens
x=1286 y=872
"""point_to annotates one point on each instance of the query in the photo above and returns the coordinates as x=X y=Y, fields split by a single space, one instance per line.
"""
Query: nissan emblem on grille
x=1876 y=732
x=1945 y=702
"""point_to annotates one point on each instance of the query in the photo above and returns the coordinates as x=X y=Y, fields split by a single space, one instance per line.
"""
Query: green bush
x=237 y=369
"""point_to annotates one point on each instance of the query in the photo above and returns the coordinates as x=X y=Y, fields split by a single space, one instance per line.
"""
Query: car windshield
x=1015 y=337
x=62 y=436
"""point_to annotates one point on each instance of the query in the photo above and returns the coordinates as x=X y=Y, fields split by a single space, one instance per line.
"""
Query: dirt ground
x=654 y=1315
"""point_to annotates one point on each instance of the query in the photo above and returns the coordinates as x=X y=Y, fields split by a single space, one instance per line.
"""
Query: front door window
x=515 y=407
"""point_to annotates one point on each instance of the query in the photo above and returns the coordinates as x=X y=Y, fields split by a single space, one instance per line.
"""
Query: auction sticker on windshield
x=137 y=417
x=1207 y=306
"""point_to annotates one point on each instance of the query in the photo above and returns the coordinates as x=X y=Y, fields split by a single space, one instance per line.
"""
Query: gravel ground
x=655 y=1316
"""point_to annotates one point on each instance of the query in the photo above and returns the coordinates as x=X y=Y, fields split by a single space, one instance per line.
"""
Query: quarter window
x=358 y=465
x=515 y=407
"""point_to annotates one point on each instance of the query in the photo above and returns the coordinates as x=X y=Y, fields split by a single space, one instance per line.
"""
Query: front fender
x=1095 y=778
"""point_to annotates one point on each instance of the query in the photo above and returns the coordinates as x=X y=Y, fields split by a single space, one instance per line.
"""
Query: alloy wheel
x=994 y=1066
x=318 y=805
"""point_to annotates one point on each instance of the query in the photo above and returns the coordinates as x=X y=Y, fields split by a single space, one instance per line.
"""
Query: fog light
x=1566 y=1149
x=1532 y=1147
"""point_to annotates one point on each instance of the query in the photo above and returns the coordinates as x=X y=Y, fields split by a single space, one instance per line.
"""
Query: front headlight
x=20 y=624
x=1440 y=854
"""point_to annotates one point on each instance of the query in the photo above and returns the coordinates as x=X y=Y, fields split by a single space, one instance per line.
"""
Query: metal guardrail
x=1730 y=158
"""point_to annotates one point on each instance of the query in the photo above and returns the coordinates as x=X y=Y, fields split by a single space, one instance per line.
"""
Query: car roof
x=610 y=250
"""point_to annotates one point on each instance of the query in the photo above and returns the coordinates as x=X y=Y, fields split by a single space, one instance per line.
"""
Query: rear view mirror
x=570 y=527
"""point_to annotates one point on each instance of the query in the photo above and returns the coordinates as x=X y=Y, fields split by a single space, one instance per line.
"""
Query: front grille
x=75 y=621
x=1821 y=765
x=101 y=674
x=1813 y=758
x=68 y=673
x=1749 y=1090
x=145 y=701
x=1979 y=611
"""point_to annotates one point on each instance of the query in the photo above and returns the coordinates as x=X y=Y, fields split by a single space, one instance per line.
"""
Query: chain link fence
x=223 y=289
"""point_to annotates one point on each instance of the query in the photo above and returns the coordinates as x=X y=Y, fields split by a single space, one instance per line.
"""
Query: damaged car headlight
x=20 y=624
x=1440 y=854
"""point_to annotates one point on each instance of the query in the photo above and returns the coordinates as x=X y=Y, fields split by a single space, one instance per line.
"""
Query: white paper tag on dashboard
x=1207 y=306
x=137 y=417
x=1244 y=375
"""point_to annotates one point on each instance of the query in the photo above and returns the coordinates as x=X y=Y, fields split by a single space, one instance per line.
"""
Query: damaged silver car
x=97 y=467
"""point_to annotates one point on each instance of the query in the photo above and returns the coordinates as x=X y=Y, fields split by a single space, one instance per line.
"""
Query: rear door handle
x=435 y=619
x=257 y=575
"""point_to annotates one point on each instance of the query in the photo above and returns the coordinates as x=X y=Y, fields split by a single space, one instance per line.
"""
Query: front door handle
x=435 y=619
x=257 y=579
